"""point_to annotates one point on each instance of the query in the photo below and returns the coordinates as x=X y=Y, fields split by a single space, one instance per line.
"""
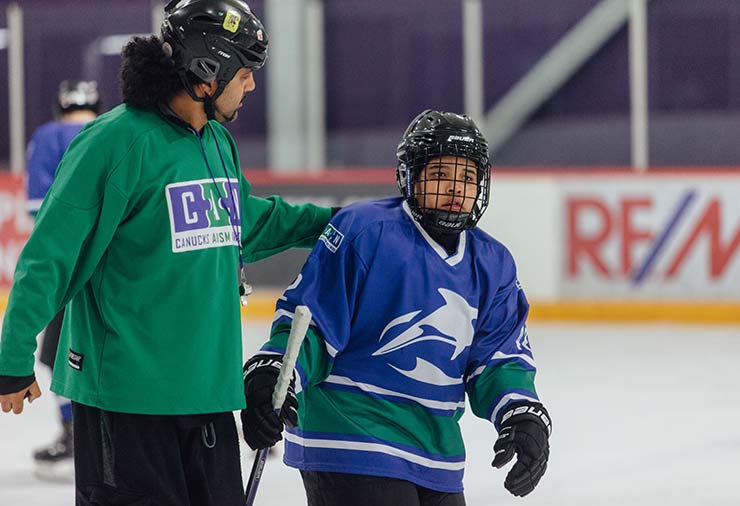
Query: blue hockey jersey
x=401 y=330
x=48 y=144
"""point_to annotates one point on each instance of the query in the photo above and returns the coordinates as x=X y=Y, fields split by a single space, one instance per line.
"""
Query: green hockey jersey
x=139 y=239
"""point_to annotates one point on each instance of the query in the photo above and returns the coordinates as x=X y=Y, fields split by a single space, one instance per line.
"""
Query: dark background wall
x=386 y=60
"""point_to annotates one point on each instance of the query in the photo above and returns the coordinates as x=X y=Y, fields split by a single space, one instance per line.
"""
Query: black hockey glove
x=261 y=424
x=524 y=429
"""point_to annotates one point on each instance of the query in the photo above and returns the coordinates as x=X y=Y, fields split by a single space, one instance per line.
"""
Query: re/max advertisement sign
x=652 y=238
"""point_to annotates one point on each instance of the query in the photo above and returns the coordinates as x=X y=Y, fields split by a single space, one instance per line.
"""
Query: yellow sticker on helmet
x=231 y=21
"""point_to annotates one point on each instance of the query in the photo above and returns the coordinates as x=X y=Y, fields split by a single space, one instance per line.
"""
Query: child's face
x=447 y=183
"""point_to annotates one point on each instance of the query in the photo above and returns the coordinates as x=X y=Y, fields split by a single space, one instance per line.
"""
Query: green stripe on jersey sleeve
x=494 y=382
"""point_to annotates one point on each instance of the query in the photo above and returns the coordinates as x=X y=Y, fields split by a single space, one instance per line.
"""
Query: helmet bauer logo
x=260 y=36
x=461 y=138
x=231 y=21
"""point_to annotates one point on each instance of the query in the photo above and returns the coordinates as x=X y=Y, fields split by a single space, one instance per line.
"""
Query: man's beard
x=222 y=117
x=227 y=119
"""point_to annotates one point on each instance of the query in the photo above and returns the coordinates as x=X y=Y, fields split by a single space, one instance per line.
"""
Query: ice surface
x=642 y=415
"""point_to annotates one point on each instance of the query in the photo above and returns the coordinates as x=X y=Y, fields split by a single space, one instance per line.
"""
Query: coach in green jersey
x=144 y=237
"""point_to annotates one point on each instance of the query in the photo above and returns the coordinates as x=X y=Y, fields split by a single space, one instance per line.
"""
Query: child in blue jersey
x=413 y=308
x=77 y=103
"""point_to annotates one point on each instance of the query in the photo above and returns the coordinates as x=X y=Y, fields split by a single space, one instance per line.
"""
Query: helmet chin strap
x=209 y=105
x=209 y=101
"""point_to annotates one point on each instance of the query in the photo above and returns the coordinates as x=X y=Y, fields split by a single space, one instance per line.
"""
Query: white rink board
x=640 y=417
x=524 y=215
x=621 y=237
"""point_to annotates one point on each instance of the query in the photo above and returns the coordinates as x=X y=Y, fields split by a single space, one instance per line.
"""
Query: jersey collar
x=451 y=260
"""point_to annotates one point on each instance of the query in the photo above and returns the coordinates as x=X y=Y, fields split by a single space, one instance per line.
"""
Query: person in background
x=77 y=103
x=414 y=308
x=144 y=238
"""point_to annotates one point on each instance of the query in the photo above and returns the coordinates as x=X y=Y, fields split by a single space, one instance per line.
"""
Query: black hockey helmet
x=212 y=40
x=74 y=95
x=433 y=134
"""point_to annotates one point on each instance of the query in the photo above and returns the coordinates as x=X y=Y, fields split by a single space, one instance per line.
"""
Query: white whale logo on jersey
x=452 y=323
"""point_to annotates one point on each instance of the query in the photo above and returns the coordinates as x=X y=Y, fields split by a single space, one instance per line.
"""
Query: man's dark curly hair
x=148 y=75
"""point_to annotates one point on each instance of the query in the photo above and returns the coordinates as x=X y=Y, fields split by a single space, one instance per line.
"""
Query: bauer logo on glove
x=524 y=430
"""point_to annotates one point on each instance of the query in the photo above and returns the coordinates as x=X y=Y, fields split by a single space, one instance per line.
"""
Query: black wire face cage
x=447 y=186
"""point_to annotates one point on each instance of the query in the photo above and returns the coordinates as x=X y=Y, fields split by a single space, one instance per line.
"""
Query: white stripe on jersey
x=366 y=387
x=508 y=398
x=376 y=448
x=282 y=312
x=499 y=355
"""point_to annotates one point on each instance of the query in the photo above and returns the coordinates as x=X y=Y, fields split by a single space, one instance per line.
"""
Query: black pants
x=340 y=489
x=137 y=460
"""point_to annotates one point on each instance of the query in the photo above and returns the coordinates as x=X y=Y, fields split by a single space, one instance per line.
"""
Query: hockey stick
x=301 y=320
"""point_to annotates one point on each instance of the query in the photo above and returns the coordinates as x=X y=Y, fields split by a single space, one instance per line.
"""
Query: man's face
x=232 y=98
x=447 y=183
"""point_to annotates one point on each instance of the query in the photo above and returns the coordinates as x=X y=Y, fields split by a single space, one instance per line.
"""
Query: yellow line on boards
x=607 y=311
x=262 y=306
